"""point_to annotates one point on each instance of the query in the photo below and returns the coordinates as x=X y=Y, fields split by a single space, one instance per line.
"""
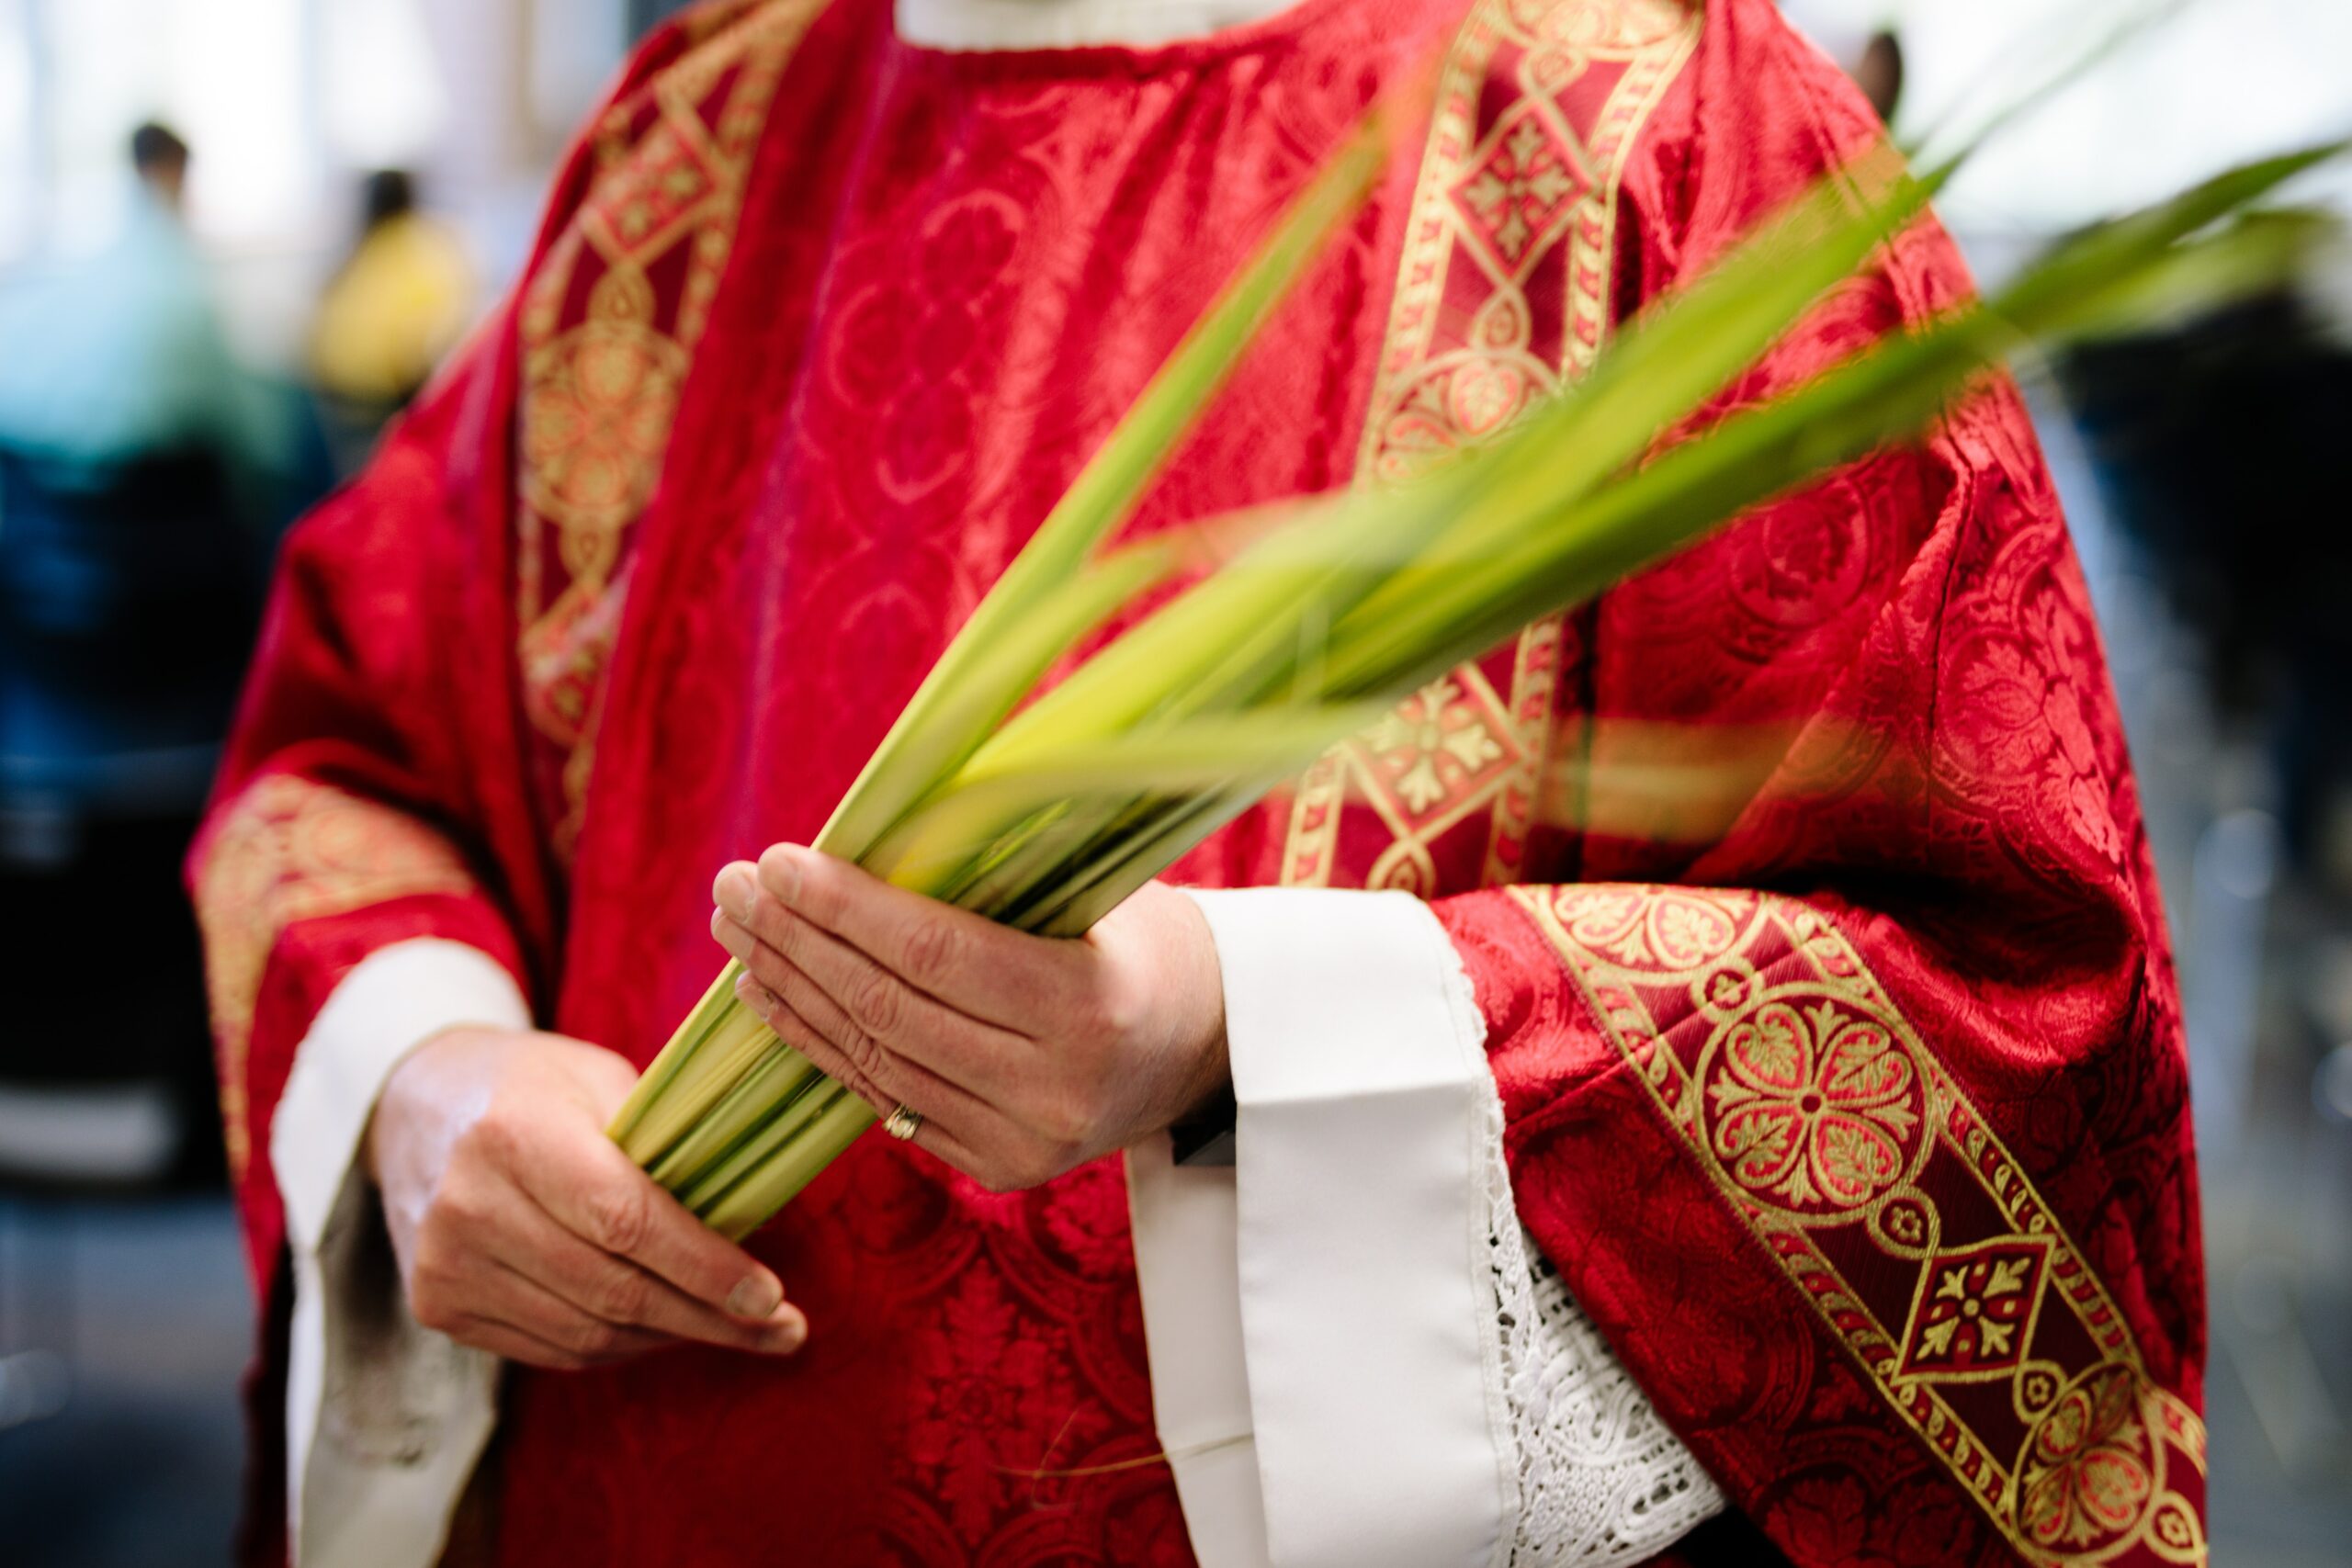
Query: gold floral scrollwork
x=1503 y=294
x=1676 y=932
x=2091 y=1473
x=611 y=320
x=603 y=396
x=1835 y=1135
x=1811 y=1106
x=292 y=850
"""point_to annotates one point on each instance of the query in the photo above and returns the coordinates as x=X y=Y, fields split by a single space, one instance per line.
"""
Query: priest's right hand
x=522 y=1229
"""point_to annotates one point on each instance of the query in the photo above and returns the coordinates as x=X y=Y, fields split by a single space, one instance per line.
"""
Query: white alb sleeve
x=1359 y=1356
x=384 y=1417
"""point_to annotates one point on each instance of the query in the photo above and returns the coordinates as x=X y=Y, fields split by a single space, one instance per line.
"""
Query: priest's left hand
x=1025 y=1055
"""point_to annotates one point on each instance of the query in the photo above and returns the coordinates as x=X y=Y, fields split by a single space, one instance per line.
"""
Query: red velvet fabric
x=819 y=327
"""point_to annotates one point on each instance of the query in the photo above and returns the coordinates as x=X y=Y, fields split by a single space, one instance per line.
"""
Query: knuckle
x=1094 y=1017
x=934 y=951
x=432 y=1304
x=435 y=1264
x=877 y=1002
x=864 y=1057
x=501 y=1135
x=861 y=1083
x=626 y=1297
x=779 y=938
x=488 y=1138
x=591 y=1339
x=1066 y=1119
x=618 y=1218
x=457 y=1207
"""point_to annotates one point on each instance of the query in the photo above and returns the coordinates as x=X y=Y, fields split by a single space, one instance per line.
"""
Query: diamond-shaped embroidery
x=665 y=181
x=1515 y=194
x=1977 y=1309
x=1442 y=745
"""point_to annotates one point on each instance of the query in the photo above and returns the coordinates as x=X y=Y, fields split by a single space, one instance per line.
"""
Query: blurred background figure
x=119 y=357
x=1879 y=72
x=400 y=302
x=142 y=472
x=191 y=351
x=159 y=339
x=160 y=157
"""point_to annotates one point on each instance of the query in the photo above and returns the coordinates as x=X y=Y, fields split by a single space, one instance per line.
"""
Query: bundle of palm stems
x=1044 y=808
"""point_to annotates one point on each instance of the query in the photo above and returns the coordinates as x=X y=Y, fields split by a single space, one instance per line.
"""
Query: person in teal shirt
x=121 y=357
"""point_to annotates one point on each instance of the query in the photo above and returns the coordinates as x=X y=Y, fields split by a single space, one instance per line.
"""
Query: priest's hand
x=522 y=1229
x=1025 y=1055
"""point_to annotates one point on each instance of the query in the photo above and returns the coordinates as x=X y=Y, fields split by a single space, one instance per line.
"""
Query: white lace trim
x=1602 y=1481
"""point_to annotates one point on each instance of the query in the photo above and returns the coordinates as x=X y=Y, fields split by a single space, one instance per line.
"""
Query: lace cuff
x=1416 y=1386
x=1602 y=1479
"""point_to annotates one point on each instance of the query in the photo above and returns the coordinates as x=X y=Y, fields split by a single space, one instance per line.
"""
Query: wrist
x=1212 y=1082
x=407 y=1089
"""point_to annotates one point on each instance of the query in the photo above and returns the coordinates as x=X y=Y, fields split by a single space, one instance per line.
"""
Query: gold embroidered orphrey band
x=608 y=332
x=1511 y=203
x=1832 y=1132
x=1818 y=1113
x=294 y=849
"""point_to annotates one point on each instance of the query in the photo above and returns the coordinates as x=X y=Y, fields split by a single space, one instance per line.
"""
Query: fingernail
x=755 y=1297
x=736 y=891
x=784 y=877
x=756 y=997
x=789 y=1335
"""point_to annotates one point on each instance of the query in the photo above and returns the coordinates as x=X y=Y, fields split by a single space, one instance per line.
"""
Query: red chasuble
x=1848 y=1098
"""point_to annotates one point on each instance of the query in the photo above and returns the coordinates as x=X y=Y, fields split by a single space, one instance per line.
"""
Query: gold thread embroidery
x=1528 y=192
x=606 y=351
x=1831 y=1130
x=290 y=850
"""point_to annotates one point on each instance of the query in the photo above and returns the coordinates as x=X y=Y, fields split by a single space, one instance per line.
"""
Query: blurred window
x=19 y=154
x=384 y=105
x=572 y=59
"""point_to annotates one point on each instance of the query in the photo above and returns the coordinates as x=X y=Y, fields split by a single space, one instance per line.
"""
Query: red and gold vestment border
x=610 y=323
x=292 y=850
x=1855 y=1160
x=1504 y=295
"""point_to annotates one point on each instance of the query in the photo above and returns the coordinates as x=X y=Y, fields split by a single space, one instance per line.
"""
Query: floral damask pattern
x=1851 y=1154
x=2018 y=707
x=995 y=1401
